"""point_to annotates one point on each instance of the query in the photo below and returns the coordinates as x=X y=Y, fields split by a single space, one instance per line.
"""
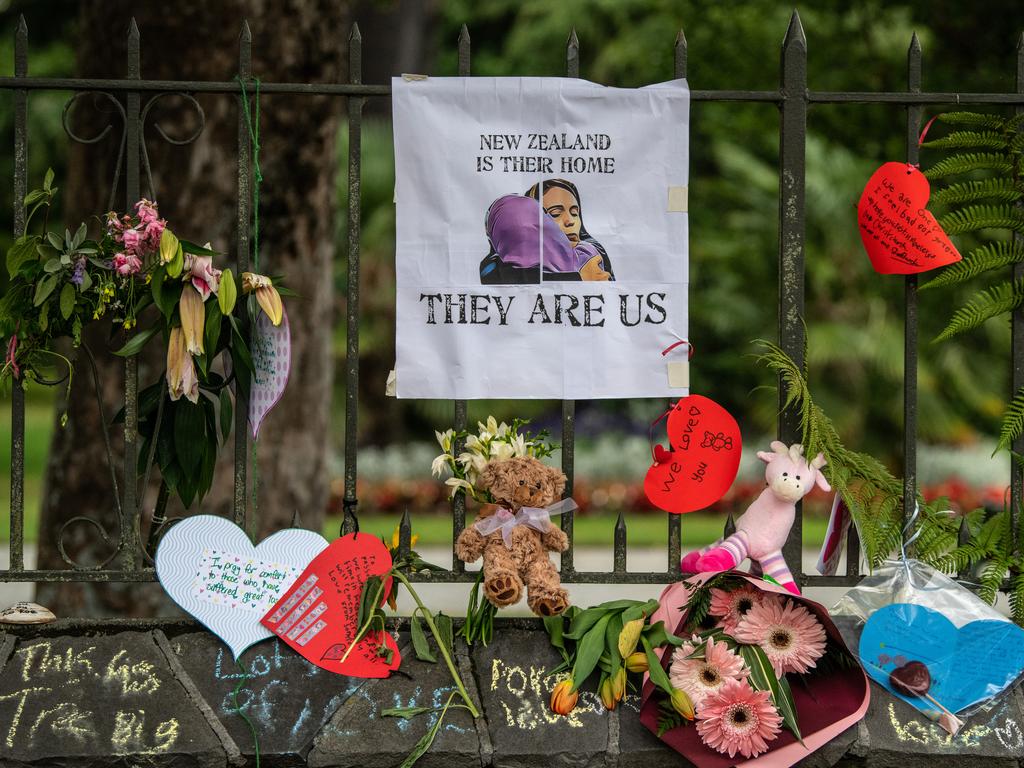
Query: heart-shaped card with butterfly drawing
x=703 y=458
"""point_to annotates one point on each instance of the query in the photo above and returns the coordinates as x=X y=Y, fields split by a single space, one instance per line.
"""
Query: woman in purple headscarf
x=534 y=240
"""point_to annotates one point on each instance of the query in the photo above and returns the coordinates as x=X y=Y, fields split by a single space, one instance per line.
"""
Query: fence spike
x=573 y=41
x=464 y=35
x=915 y=43
x=680 y=54
x=795 y=32
x=22 y=26
x=464 y=51
x=405 y=534
x=296 y=520
x=1020 y=42
x=730 y=526
x=620 y=544
x=133 y=31
x=246 y=34
x=355 y=34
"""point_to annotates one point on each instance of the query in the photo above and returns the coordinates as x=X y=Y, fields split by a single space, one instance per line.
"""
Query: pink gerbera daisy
x=792 y=639
x=738 y=719
x=702 y=677
x=731 y=604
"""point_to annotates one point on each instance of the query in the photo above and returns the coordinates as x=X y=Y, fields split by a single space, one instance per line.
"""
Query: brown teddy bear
x=515 y=483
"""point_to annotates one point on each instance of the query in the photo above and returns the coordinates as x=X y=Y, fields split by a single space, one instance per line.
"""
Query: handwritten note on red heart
x=317 y=617
x=704 y=457
x=899 y=234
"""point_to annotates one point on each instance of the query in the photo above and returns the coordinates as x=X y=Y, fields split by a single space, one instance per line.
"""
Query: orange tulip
x=636 y=662
x=564 y=698
x=681 y=703
x=607 y=693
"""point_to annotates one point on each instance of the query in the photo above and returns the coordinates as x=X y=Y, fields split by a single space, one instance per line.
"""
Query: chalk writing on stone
x=931 y=735
x=526 y=705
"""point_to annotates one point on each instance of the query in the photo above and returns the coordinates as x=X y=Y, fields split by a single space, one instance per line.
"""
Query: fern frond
x=951 y=166
x=983 y=259
x=1012 y=425
x=975 y=217
x=972 y=191
x=969 y=140
x=992 y=576
x=972 y=119
x=987 y=304
x=1017 y=598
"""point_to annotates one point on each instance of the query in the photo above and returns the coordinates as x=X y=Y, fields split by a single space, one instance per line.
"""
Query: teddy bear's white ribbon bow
x=538 y=518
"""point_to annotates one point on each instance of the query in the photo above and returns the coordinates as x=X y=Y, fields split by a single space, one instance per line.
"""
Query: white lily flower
x=492 y=425
x=501 y=451
x=519 y=446
x=455 y=483
x=444 y=439
x=503 y=429
x=439 y=465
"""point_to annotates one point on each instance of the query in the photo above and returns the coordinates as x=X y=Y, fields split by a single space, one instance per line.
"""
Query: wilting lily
x=193 y=318
x=564 y=698
x=630 y=636
x=204 y=277
x=636 y=662
x=181 y=370
x=266 y=295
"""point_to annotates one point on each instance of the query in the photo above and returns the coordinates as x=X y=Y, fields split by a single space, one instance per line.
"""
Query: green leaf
x=969 y=140
x=227 y=293
x=659 y=636
x=419 y=640
x=982 y=259
x=79 y=237
x=48 y=180
x=137 y=342
x=589 y=651
x=44 y=288
x=52 y=265
x=976 y=217
x=86 y=282
x=972 y=119
x=225 y=413
x=164 y=300
x=611 y=639
x=197 y=250
x=446 y=631
x=55 y=241
x=189 y=436
x=23 y=249
x=406 y=713
x=966 y=163
x=972 y=191
x=985 y=305
x=211 y=328
x=555 y=627
x=763 y=678
x=657 y=672
x=67 y=300
x=428 y=738
x=367 y=604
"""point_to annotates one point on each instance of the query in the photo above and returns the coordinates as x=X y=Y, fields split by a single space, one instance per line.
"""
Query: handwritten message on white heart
x=271 y=362
x=211 y=569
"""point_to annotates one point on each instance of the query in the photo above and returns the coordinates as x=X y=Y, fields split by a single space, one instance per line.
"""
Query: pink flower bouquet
x=767 y=673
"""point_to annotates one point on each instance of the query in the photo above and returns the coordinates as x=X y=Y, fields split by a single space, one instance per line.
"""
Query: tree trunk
x=196 y=188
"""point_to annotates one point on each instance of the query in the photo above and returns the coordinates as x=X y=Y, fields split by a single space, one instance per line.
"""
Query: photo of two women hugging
x=540 y=237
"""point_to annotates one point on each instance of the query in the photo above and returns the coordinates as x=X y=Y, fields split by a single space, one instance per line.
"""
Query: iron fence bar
x=17 y=521
x=355 y=114
x=1017 y=346
x=922 y=98
x=129 y=533
x=675 y=522
x=572 y=69
x=910 y=306
x=243 y=217
x=792 y=160
x=461 y=416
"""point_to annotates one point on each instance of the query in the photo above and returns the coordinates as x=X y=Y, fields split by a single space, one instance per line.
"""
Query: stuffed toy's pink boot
x=689 y=562
x=717 y=559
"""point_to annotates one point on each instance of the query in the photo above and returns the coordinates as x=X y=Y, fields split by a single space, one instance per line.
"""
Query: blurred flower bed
x=609 y=478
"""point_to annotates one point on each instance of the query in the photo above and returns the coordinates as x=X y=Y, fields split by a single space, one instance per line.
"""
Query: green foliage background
x=855 y=315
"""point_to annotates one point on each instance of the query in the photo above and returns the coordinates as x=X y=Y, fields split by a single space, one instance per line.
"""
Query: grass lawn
x=642 y=530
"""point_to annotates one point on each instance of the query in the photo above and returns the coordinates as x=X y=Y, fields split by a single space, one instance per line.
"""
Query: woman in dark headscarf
x=515 y=227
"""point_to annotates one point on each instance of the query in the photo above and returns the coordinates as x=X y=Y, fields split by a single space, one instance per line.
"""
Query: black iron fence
x=133 y=97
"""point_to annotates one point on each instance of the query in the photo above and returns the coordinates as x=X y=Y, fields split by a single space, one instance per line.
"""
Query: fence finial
x=22 y=26
x=573 y=41
x=464 y=35
x=246 y=34
x=795 y=32
x=133 y=31
x=355 y=34
x=680 y=54
x=1020 y=42
x=915 y=43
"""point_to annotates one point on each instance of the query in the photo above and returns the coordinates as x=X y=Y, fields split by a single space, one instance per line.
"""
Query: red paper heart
x=705 y=457
x=899 y=234
x=317 y=616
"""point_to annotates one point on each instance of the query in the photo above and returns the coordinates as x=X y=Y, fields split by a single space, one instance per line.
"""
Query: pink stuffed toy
x=763 y=528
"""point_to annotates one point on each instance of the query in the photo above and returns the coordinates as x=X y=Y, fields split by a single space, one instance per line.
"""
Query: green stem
x=366 y=627
x=440 y=644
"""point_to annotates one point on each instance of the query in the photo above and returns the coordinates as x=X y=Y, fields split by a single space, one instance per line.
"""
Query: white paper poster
x=541 y=233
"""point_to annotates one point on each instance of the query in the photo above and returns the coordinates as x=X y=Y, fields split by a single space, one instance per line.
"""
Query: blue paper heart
x=967 y=665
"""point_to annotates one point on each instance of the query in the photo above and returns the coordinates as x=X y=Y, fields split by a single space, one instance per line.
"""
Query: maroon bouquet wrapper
x=826 y=704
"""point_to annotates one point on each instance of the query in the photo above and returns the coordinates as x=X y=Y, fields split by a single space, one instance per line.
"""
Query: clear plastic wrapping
x=932 y=642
